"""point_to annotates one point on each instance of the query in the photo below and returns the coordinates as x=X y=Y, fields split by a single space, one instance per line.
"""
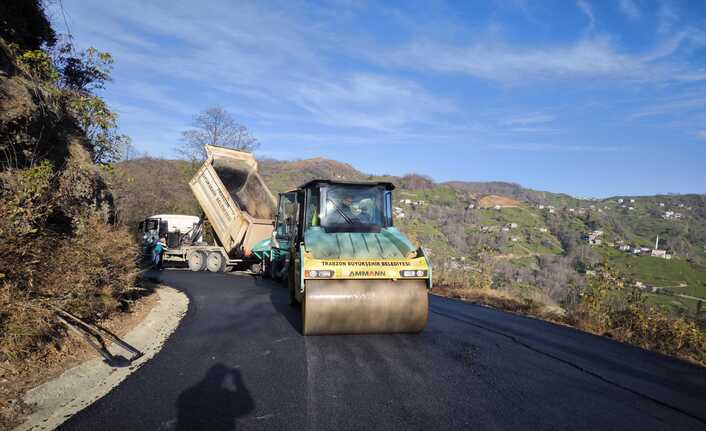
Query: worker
x=158 y=253
x=346 y=209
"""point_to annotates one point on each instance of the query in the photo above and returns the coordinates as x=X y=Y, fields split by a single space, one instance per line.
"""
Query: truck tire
x=197 y=261
x=256 y=268
x=216 y=262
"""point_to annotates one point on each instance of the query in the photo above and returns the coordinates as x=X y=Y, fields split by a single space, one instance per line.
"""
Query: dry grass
x=489 y=201
x=48 y=260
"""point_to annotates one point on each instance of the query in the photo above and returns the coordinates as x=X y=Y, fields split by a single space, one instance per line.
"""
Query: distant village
x=595 y=237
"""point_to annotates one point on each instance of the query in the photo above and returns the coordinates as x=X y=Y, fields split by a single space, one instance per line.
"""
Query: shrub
x=609 y=308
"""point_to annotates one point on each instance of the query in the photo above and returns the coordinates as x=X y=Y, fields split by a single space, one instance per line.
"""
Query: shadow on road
x=279 y=297
x=215 y=402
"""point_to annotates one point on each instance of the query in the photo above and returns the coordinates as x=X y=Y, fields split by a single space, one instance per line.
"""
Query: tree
x=215 y=126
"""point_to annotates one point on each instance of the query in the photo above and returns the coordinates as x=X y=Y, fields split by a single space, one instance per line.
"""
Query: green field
x=659 y=272
x=674 y=303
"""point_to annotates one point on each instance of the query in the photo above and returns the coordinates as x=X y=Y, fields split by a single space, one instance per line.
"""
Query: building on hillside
x=406 y=201
x=505 y=229
x=620 y=201
x=497 y=207
x=661 y=204
x=514 y=239
x=540 y=206
x=594 y=237
x=471 y=206
x=551 y=211
x=512 y=225
x=632 y=201
x=624 y=247
x=659 y=253
x=543 y=229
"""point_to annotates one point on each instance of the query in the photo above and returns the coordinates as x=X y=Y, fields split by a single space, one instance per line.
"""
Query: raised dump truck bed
x=235 y=199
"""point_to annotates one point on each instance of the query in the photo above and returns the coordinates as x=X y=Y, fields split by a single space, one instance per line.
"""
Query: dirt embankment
x=490 y=201
x=52 y=387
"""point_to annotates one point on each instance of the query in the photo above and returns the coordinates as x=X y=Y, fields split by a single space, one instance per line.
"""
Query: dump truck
x=237 y=206
x=343 y=261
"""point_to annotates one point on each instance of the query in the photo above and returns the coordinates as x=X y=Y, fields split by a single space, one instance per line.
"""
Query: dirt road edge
x=57 y=400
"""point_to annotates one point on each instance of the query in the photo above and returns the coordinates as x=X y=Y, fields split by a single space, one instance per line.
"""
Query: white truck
x=237 y=205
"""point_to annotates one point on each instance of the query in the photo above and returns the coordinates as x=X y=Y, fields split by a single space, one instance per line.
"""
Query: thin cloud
x=530 y=118
x=369 y=101
x=588 y=11
x=630 y=9
x=701 y=134
x=588 y=57
x=667 y=17
x=671 y=107
x=532 y=147
x=550 y=130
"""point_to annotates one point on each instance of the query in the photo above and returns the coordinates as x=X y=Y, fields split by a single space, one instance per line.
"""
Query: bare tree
x=215 y=126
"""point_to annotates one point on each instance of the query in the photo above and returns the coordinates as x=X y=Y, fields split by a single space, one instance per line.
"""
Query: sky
x=588 y=97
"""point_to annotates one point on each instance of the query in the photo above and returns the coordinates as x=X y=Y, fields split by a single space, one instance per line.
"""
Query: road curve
x=238 y=361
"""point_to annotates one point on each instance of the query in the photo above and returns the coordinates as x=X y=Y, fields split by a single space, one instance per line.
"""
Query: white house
x=659 y=253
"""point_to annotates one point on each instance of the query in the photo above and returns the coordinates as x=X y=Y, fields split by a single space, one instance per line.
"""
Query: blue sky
x=588 y=97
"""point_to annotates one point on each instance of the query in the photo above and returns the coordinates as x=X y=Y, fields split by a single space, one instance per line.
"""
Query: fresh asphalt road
x=239 y=361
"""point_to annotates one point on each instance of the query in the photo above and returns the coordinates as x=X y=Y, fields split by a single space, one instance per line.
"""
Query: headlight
x=413 y=273
x=318 y=273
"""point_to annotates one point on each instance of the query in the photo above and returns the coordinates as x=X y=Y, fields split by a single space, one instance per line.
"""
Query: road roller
x=351 y=271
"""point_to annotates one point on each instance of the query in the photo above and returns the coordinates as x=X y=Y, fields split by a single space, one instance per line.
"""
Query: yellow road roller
x=344 y=262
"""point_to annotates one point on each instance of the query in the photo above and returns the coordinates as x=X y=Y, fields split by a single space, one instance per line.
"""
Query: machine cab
x=333 y=207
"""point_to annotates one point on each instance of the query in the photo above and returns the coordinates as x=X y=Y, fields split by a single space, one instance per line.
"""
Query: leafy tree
x=99 y=124
x=81 y=74
x=24 y=23
x=85 y=71
x=215 y=126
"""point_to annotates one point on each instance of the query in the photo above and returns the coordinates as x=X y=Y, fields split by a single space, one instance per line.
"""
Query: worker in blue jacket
x=158 y=253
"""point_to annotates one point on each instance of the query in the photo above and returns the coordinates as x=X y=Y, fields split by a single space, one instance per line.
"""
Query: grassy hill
x=534 y=237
